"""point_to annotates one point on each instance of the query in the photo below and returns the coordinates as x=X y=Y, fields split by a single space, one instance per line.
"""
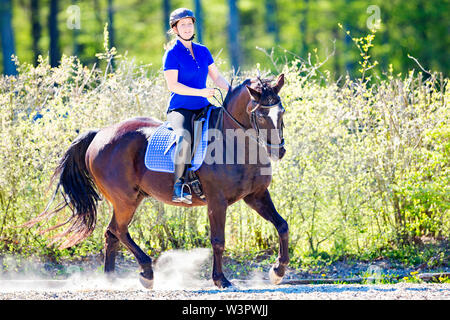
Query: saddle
x=159 y=155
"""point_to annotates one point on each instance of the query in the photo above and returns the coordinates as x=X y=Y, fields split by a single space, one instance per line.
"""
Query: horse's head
x=266 y=112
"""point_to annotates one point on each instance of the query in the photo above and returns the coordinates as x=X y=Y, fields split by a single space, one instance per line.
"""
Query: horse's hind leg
x=262 y=203
x=118 y=228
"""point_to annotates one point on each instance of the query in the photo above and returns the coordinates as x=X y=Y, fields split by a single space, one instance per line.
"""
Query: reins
x=253 y=121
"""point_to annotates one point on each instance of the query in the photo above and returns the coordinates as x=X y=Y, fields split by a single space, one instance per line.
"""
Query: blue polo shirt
x=191 y=72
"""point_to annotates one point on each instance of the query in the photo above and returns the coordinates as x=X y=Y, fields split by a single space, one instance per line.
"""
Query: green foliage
x=410 y=27
x=367 y=167
x=366 y=171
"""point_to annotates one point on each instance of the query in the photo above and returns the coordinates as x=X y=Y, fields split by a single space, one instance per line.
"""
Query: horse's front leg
x=217 y=214
x=111 y=248
x=262 y=203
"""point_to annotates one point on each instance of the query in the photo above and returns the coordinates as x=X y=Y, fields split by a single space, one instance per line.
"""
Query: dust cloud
x=173 y=270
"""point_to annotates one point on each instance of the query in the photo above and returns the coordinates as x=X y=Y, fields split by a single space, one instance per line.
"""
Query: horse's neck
x=236 y=108
x=246 y=148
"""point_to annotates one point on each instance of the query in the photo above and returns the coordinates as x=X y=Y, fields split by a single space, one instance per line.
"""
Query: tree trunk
x=271 y=19
x=7 y=37
x=112 y=38
x=199 y=20
x=76 y=29
x=304 y=30
x=112 y=42
x=55 y=55
x=349 y=65
x=166 y=13
x=36 y=30
x=233 y=35
x=337 y=65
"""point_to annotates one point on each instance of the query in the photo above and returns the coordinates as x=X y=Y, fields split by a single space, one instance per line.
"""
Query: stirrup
x=187 y=197
x=184 y=196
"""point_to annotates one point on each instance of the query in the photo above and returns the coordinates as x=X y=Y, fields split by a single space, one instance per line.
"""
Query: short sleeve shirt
x=191 y=72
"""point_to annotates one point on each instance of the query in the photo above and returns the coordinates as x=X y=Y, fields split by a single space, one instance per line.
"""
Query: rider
x=186 y=67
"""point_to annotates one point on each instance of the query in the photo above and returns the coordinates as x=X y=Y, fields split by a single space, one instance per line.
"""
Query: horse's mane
x=235 y=92
x=262 y=85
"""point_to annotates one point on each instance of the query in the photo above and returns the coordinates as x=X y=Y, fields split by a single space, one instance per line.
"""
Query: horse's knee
x=110 y=239
x=111 y=248
x=218 y=245
x=110 y=235
x=283 y=229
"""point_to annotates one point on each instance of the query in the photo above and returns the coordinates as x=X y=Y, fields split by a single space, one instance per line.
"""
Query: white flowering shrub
x=366 y=165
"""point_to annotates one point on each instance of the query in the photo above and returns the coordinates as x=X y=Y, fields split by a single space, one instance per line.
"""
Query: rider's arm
x=218 y=79
x=179 y=88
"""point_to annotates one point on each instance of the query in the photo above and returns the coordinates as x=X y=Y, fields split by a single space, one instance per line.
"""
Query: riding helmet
x=179 y=14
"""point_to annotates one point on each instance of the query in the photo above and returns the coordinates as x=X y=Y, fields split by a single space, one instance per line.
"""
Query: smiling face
x=184 y=28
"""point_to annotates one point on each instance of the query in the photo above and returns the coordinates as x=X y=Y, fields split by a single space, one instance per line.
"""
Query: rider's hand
x=207 y=92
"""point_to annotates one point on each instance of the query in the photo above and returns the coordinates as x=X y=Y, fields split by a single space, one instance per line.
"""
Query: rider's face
x=185 y=28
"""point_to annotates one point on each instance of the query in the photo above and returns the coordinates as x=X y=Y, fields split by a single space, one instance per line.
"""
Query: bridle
x=253 y=122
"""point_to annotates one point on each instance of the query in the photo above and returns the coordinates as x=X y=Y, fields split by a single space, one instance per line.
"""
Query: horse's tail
x=79 y=194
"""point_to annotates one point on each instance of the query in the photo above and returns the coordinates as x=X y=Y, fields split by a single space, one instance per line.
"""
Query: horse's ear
x=253 y=93
x=280 y=83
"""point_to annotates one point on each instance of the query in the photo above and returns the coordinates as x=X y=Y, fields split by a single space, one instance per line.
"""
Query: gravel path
x=130 y=289
x=178 y=276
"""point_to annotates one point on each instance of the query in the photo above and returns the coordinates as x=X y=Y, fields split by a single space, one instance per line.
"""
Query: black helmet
x=179 y=14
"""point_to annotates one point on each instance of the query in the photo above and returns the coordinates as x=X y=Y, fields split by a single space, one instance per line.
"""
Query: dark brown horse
x=112 y=160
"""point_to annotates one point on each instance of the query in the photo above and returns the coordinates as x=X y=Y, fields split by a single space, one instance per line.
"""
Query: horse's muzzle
x=282 y=153
x=276 y=154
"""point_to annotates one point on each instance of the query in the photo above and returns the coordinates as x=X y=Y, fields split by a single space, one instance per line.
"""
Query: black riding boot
x=181 y=191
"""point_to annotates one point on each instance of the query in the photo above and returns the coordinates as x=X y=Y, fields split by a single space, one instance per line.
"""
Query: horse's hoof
x=274 y=278
x=223 y=283
x=147 y=283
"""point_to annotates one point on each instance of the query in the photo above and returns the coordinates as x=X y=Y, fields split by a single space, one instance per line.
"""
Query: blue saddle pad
x=161 y=148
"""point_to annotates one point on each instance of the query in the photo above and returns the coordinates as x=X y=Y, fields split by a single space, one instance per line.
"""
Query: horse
x=110 y=161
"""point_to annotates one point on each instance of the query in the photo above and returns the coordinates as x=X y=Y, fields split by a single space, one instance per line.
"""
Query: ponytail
x=172 y=39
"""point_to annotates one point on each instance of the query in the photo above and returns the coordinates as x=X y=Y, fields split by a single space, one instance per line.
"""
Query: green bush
x=366 y=164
